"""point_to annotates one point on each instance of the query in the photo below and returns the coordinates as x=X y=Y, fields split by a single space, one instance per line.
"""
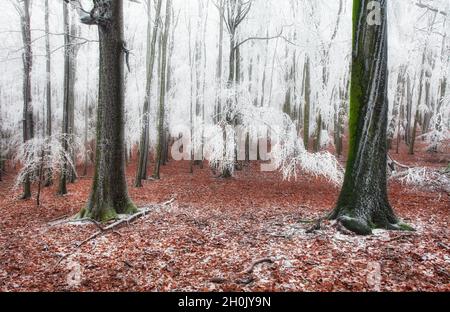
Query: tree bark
x=109 y=194
x=162 y=95
x=219 y=71
x=48 y=96
x=141 y=173
x=62 y=190
x=417 y=113
x=363 y=203
x=307 y=108
x=27 y=67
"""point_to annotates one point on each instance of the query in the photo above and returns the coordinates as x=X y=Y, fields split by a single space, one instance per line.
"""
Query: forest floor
x=215 y=230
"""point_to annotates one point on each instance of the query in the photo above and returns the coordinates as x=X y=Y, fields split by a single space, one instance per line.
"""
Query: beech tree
x=109 y=193
x=363 y=203
x=68 y=97
x=27 y=58
x=141 y=173
x=162 y=92
x=48 y=87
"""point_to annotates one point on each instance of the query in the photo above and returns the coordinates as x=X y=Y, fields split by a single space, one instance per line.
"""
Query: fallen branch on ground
x=112 y=227
x=317 y=226
x=115 y=225
x=392 y=160
x=58 y=218
x=257 y=262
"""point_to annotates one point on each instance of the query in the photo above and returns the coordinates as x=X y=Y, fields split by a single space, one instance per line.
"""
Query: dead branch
x=58 y=218
x=393 y=161
x=443 y=245
x=218 y=280
x=400 y=237
x=430 y=8
x=119 y=223
x=316 y=227
x=257 y=262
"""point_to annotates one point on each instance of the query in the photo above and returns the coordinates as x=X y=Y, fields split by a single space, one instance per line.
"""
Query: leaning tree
x=363 y=204
x=109 y=194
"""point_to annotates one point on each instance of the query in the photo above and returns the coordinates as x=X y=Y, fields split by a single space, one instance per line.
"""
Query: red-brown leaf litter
x=247 y=233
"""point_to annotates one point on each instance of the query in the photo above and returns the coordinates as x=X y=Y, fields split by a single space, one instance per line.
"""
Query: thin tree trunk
x=191 y=102
x=73 y=52
x=162 y=95
x=62 y=190
x=141 y=173
x=220 y=63
x=48 y=173
x=86 y=125
x=27 y=67
x=2 y=151
x=307 y=108
x=419 y=100
x=409 y=101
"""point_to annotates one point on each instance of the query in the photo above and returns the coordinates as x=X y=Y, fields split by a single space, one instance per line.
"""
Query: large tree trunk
x=141 y=173
x=162 y=94
x=109 y=194
x=363 y=203
x=27 y=66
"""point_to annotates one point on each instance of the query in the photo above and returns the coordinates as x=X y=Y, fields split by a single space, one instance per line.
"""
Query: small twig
x=118 y=233
x=443 y=245
x=218 y=280
x=257 y=262
x=400 y=237
x=317 y=226
x=96 y=223
x=58 y=218
x=397 y=163
x=128 y=264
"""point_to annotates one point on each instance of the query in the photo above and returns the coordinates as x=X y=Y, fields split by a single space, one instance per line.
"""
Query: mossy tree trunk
x=363 y=202
x=109 y=194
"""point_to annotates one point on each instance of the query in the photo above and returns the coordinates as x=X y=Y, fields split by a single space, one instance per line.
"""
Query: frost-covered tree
x=162 y=92
x=27 y=58
x=141 y=173
x=363 y=203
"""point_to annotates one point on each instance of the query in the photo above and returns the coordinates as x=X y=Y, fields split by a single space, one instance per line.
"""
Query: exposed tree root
x=362 y=227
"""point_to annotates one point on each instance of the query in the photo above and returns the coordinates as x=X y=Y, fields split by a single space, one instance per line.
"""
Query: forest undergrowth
x=247 y=233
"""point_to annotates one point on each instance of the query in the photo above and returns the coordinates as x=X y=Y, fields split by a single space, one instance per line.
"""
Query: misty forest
x=224 y=145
